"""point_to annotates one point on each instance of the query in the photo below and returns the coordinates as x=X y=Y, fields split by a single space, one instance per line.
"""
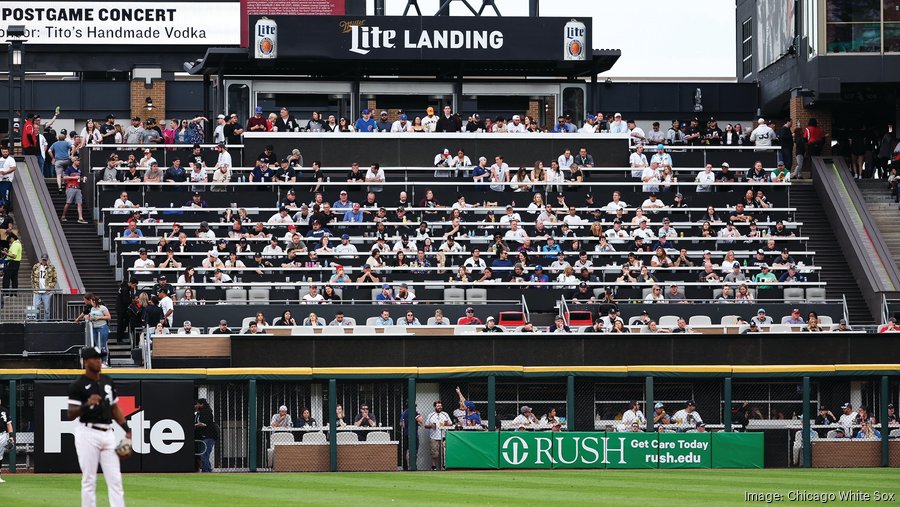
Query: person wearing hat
x=232 y=130
x=402 y=124
x=688 y=416
x=285 y=122
x=281 y=419
x=525 y=420
x=761 y=318
x=43 y=283
x=781 y=174
x=93 y=404
x=222 y=328
x=752 y=327
x=659 y=414
x=207 y=431
x=383 y=124
x=365 y=123
x=848 y=418
x=762 y=135
x=559 y=326
x=694 y=133
x=490 y=326
x=792 y=275
x=219 y=131
x=469 y=319
x=842 y=327
x=824 y=416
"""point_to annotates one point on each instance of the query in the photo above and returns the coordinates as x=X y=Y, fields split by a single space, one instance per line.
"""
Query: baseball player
x=93 y=400
x=6 y=437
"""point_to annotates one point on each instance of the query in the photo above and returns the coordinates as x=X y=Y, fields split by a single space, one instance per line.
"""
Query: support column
x=648 y=396
x=139 y=95
x=883 y=417
x=254 y=429
x=332 y=425
x=570 y=403
x=411 y=424
x=727 y=411
x=807 y=445
x=492 y=402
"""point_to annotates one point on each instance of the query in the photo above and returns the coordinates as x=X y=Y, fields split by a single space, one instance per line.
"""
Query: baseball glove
x=124 y=449
x=10 y=443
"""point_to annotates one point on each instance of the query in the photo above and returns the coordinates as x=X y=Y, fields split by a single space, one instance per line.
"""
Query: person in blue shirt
x=366 y=123
x=472 y=418
x=262 y=173
x=176 y=173
x=132 y=232
x=539 y=276
x=386 y=296
x=551 y=248
x=354 y=215
x=792 y=275
x=866 y=431
x=404 y=426
x=480 y=173
x=503 y=262
x=317 y=230
x=563 y=126
x=61 y=150
x=384 y=319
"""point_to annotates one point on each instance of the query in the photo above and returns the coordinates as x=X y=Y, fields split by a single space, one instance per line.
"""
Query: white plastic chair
x=728 y=320
x=668 y=321
x=378 y=436
x=700 y=321
x=347 y=437
x=316 y=437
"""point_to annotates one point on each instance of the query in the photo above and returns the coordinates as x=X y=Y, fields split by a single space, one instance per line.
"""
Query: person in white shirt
x=848 y=418
x=705 y=178
x=616 y=235
x=460 y=161
x=402 y=124
x=198 y=175
x=272 y=250
x=616 y=204
x=475 y=262
x=142 y=263
x=187 y=328
x=450 y=246
x=632 y=415
x=650 y=175
x=644 y=232
x=729 y=234
x=219 y=132
x=667 y=230
x=515 y=234
x=509 y=216
x=572 y=218
x=224 y=157
x=526 y=419
x=762 y=135
x=430 y=120
x=661 y=157
x=313 y=296
x=345 y=249
x=566 y=159
x=638 y=161
x=653 y=202
x=617 y=126
x=375 y=174
x=281 y=218
x=123 y=203
x=655 y=295
x=636 y=133
x=687 y=416
x=516 y=126
x=499 y=174
x=167 y=306
x=438 y=422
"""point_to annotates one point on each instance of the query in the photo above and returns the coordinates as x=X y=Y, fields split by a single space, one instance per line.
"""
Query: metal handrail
x=485 y=183
x=525 y=311
x=563 y=310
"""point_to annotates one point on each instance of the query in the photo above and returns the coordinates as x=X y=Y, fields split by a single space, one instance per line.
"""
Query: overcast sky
x=668 y=39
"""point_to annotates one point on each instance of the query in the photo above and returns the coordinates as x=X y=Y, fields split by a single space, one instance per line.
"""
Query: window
x=855 y=26
x=747 y=47
x=811 y=27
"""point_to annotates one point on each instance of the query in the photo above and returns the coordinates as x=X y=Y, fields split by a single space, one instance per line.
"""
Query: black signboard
x=160 y=414
x=421 y=38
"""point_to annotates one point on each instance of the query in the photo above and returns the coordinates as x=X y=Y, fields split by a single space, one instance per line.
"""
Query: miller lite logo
x=574 y=41
x=265 y=39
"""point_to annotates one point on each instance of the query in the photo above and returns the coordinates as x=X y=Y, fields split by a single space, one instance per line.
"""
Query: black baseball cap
x=89 y=352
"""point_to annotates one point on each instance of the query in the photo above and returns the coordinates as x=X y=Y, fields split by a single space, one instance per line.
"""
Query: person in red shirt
x=257 y=123
x=814 y=137
x=890 y=327
x=29 y=137
x=470 y=319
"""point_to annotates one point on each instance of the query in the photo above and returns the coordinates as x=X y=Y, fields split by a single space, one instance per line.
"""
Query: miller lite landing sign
x=160 y=414
x=426 y=38
x=265 y=39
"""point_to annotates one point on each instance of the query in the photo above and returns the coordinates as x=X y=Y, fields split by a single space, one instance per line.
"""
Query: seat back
x=825 y=320
x=511 y=319
x=668 y=321
x=378 y=436
x=282 y=437
x=728 y=320
x=793 y=294
x=476 y=295
x=580 y=318
x=454 y=295
x=371 y=321
x=315 y=437
x=236 y=296
x=816 y=294
x=347 y=437
x=700 y=320
x=780 y=328
x=258 y=295
x=634 y=321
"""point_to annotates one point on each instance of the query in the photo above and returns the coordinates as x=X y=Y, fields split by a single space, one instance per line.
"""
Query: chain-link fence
x=353 y=423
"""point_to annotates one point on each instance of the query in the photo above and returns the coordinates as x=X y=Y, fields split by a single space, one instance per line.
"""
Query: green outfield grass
x=556 y=488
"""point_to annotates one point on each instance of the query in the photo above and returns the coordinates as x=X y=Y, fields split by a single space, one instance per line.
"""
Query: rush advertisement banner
x=420 y=38
x=506 y=450
x=160 y=414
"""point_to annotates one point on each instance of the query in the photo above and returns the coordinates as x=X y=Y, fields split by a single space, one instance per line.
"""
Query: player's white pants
x=95 y=447
x=4 y=438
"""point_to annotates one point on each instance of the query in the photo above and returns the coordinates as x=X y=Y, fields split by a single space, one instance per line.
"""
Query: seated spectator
x=675 y=295
x=655 y=295
x=792 y=275
x=439 y=319
x=223 y=328
x=764 y=276
x=329 y=295
x=313 y=296
x=582 y=295
x=842 y=327
x=409 y=320
x=313 y=320
x=282 y=419
x=386 y=295
x=367 y=276
x=682 y=327
x=866 y=431
x=812 y=326
x=761 y=318
x=525 y=420
x=890 y=327
x=365 y=418
x=469 y=319
x=339 y=275
x=794 y=319
x=306 y=419
x=341 y=321
x=384 y=319
x=491 y=327
x=187 y=328
x=743 y=294
x=286 y=319
x=559 y=326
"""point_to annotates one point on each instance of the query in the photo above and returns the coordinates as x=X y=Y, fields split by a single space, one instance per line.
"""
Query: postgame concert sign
x=198 y=22
x=159 y=412
x=420 y=38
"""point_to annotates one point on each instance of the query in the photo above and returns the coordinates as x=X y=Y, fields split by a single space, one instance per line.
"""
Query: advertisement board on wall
x=192 y=23
x=160 y=414
x=432 y=38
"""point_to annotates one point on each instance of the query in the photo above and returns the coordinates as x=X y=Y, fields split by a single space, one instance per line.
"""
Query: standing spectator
x=383 y=124
x=786 y=141
x=124 y=299
x=814 y=137
x=437 y=422
x=448 y=122
x=7 y=174
x=43 y=282
x=134 y=133
x=206 y=430
x=29 y=137
x=762 y=135
x=13 y=260
x=60 y=151
x=233 y=130
x=99 y=317
x=73 y=191
x=430 y=120
x=219 y=132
